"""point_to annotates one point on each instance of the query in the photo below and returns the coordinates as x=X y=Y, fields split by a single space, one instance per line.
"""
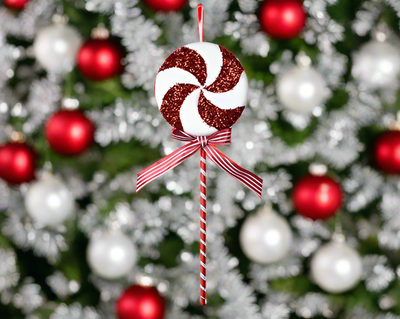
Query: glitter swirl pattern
x=172 y=103
x=188 y=60
x=229 y=75
x=215 y=117
x=201 y=88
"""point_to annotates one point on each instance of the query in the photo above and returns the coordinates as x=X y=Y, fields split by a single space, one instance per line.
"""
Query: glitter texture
x=188 y=60
x=228 y=78
x=216 y=117
x=172 y=103
x=230 y=73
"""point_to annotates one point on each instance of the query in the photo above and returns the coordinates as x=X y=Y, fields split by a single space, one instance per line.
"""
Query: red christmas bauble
x=317 y=197
x=16 y=5
x=165 y=5
x=17 y=163
x=387 y=152
x=139 y=302
x=100 y=59
x=69 y=132
x=282 y=19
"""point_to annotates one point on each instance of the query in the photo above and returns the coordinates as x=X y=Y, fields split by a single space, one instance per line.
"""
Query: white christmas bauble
x=300 y=89
x=49 y=201
x=201 y=88
x=266 y=237
x=336 y=267
x=377 y=64
x=111 y=256
x=56 y=47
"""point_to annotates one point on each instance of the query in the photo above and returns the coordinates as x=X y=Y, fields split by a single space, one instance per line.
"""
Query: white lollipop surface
x=201 y=88
x=266 y=237
x=377 y=64
x=56 y=47
x=301 y=89
x=49 y=201
x=336 y=267
x=111 y=256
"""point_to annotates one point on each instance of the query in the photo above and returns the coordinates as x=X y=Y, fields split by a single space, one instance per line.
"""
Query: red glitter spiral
x=191 y=61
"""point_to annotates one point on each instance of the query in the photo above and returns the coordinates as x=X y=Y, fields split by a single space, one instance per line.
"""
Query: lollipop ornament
x=201 y=90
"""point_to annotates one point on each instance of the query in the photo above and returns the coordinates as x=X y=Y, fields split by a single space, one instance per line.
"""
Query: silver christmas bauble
x=49 y=201
x=111 y=256
x=336 y=267
x=56 y=47
x=377 y=64
x=300 y=89
x=265 y=237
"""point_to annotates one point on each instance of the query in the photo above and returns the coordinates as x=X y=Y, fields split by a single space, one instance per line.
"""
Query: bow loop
x=222 y=137
x=182 y=136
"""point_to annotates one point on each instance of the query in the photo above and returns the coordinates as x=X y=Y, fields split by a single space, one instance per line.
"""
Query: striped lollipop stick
x=203 y=189
x=203 y=226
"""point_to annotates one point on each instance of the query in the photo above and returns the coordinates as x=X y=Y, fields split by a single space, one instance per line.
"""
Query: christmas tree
x=79 y=120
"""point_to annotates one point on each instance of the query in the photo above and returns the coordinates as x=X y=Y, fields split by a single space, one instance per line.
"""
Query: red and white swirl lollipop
x=201 y=88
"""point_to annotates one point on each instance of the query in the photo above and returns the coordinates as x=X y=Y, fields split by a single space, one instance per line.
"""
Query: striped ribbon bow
x=195 y=143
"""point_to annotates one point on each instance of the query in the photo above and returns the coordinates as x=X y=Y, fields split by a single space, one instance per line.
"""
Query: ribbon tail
x=165 y=164
x=244 y=176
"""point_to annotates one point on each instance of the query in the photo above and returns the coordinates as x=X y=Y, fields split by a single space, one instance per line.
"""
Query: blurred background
x=78 y=121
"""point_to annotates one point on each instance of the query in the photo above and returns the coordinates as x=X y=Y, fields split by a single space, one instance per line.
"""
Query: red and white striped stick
x=203 y=190
x=203 y=226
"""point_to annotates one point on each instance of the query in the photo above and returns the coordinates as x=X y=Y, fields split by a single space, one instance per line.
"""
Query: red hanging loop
x=200 y=21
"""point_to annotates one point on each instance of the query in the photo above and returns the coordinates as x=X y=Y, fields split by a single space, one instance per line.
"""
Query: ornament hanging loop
x=200 y=21
x=17 y=137
x=60 y=18
x=100 y=32
x=338 y=235
x=394 y=124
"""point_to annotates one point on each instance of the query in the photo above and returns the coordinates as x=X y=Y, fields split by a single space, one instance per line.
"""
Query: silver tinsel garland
x=9 y=275
x=74 y=311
